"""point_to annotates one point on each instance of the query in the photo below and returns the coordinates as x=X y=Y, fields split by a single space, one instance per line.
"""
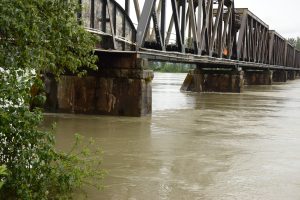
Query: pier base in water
x=280 y=76
x=258 y=77
x=214 y=80
x=291 y=75
x=121 y=87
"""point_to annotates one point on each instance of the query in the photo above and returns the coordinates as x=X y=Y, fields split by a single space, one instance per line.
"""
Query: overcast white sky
x=281 y=15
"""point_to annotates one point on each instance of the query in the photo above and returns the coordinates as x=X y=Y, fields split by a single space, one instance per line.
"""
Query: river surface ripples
x=198 y=146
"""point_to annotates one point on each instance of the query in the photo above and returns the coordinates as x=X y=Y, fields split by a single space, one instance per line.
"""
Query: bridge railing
x=297 y=59
x=277 y=45
x=202 y=27
x=290 y=55
x=111 y=21
x=253 y=36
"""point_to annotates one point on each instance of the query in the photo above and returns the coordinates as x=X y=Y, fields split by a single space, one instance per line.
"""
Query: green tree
x=38 y=36
x=292 y=41
x=2 y=174
x=170 y=67
x=298 y=43
x=295 y=42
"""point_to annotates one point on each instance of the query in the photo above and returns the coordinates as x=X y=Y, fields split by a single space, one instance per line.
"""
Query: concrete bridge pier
x=280 y=76
x=258 y=77
x=121 y=86
x=291 y=75
x=214 y=80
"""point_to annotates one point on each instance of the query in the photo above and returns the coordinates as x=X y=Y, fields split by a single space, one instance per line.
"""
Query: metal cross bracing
x=109 y=19
x=193 y=31
x=297 y=59
x=277 y=46
x=252 y=37
x=290 y=53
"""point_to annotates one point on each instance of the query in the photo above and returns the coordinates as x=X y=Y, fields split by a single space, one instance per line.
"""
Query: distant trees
x=295 y=42
x=2 y=174
x=170 y=67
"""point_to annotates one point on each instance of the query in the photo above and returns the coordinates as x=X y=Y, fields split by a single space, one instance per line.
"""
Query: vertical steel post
x=137 y=9
x=127 y=7
x=144 y=22
x=103 y=17
x=183 y=21
x=163 y=21
x=199 y=24
x=92 y=19
x=111 y=22
x=176 y=22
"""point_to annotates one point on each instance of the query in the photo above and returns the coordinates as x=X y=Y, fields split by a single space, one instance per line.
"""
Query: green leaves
x=80 y=166
x=3 y=173
x=295 y=42
x=38 y=36
x=45 y=35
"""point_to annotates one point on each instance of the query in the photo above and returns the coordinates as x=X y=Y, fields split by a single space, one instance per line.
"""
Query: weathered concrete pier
x=214 y=80
x=121 y=86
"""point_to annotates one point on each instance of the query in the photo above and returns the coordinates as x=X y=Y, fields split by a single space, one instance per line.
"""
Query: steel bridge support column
x=214 y=80
x=121 y=86
x=258 y=77
x=280 y=76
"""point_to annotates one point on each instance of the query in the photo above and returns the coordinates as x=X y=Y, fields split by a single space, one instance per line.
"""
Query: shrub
x=38 y=36
x=2 y=175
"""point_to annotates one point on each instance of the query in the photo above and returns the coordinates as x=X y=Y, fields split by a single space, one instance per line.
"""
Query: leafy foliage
x=77 y=168
x=170 y=67
x=38 y=36
x=44 y=35
x=2 y=174
x=295 y=42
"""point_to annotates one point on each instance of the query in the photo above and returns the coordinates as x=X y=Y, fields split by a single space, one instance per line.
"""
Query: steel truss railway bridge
x=229 y=46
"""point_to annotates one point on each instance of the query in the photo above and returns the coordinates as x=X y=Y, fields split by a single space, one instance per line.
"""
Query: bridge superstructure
x=201 y=28
x=230 y=47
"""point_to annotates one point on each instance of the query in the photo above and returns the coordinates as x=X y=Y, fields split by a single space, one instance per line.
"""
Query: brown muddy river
x=198 y=146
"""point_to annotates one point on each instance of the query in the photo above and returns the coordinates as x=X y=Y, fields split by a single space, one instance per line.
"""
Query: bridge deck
x=203 y=61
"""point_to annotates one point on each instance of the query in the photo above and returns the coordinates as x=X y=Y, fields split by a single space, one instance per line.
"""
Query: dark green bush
x=38 y=36
x=3 y=173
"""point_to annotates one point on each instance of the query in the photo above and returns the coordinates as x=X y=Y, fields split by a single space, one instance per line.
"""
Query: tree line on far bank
x=170 y=67
x=295 y=42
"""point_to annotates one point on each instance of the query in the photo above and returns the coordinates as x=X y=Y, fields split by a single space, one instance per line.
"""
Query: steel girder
x=277 y=47
x=290 y=55
x=297 y=59
x=110 y=20
x=212 y=28
x=281 y=52
x=209 y=25
x=253 y=37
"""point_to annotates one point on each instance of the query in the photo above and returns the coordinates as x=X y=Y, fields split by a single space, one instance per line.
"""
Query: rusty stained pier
x=230 y=47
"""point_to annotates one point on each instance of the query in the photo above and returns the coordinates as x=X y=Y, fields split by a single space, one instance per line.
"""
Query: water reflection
x=199 y=146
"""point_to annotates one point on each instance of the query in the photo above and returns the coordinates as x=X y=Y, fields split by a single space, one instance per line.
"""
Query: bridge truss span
x=209 y=28
x=230 y=47
x=109 y=19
